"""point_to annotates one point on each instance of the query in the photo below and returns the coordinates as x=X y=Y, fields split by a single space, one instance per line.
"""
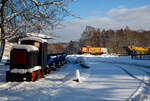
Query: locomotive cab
x=42 y=46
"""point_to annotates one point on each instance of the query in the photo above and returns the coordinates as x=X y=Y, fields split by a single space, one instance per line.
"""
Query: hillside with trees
x=114 y=40
x=57 y=47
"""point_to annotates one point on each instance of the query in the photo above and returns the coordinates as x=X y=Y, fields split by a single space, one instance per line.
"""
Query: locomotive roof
x=34 y=39
x=26 y=47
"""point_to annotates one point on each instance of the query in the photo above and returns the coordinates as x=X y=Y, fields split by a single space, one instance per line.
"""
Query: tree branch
x=13 y=15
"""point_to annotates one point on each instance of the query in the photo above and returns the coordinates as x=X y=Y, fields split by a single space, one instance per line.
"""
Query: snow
x=104 y=50
x=34 y=39
x=73 y=76
x=5 y=59
x=26 y=47
x=109 y=78
x=23 y=71
x=39 y=35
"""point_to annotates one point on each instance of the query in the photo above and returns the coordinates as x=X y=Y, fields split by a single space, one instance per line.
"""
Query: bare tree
x=18 y=15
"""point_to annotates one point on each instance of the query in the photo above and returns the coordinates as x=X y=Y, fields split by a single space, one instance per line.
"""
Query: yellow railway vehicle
x=137 y=50
x=93 y=50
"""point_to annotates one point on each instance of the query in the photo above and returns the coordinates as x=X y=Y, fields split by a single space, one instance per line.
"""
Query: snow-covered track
x=133 y=76
x=124 y=63
x=118 y=64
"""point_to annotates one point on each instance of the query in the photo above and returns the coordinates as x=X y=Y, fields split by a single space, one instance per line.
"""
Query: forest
x=114 y=40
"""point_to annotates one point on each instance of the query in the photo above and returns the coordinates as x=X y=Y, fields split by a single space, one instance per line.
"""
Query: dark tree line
x=57 y=47
x=114 y=40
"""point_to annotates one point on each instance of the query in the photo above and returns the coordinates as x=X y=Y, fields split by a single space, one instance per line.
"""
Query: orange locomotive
x=93 y=50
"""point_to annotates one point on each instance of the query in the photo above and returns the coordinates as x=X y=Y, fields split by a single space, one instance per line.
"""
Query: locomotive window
x=19 y=57
x=84 y=49
x=37 y=44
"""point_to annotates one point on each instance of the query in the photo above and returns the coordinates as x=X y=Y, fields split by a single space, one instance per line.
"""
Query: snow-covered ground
x=109 y=78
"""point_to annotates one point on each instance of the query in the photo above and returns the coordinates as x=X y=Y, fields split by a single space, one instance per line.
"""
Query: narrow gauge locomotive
x=29 y=61
x=93 y=50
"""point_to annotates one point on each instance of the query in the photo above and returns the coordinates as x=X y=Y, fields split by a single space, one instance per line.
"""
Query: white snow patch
x=23 y=71
x=34 y=39
x=40 y=35
x=73 y=76
x=5 y=59
x=26 y=47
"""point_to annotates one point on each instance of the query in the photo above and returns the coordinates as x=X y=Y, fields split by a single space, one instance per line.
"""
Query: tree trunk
x=2 y=48
x=2 y=26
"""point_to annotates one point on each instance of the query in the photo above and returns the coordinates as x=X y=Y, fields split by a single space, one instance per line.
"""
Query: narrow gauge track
x=123 y=63
x=133 y=76
x=142 y=81
x=139 y=67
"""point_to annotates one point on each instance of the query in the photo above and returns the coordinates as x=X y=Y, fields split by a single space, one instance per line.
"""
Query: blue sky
x=86 y=8
x=104 y=14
